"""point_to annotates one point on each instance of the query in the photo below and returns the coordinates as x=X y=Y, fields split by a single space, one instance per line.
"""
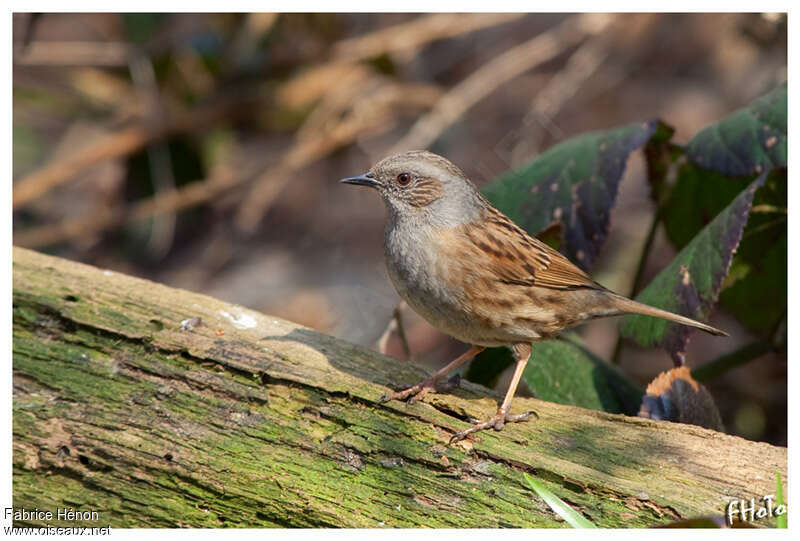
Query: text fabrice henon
x=61 y=513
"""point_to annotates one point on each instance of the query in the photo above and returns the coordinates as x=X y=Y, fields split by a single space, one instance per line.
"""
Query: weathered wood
x=249 y=420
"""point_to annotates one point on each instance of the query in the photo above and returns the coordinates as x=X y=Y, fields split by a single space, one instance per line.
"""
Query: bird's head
x=424 y=186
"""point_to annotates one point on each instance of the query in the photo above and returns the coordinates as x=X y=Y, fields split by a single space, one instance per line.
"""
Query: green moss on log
x=119 y=410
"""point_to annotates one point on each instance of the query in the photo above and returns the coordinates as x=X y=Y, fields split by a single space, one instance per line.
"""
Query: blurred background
x=202 y=150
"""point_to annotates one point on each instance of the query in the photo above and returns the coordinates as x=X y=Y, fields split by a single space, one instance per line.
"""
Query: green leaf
x=566 y=373
x=573 y=184
x=26 y=147
x=756 y=289
x=572 y=517
x=140 y=27
x=697 y=198
x=717 y=155
x=749 y=141
x=488 y=365
x=692 y=281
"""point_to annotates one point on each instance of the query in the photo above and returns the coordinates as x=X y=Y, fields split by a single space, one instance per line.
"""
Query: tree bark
x=241 y=419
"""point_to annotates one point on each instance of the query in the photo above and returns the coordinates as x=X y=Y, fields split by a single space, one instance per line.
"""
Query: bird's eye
x=403 y=179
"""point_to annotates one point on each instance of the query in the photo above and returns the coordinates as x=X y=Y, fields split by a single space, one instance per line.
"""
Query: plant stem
x=648 y=244
x=731 y=360
x=617 y=350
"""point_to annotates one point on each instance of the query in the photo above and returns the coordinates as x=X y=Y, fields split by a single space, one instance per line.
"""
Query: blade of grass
x=572 y=517
x=782 y=520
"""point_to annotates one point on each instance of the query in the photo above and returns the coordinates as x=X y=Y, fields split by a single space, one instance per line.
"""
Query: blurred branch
x=418 y=32
x=565 y=84
x=315 y=83
x=29 y=27
x=254 y=26
x=144 y=79
x=73 y=53
x=60 y=171
x=143 y=76
x=195 y=74
x=352 y=81
x=166 y=202
x=106 y=90
x=405 y=36
x=502 y=69
x=447 y=109
x=395 y=326
x=374 y=111
x=123 y=142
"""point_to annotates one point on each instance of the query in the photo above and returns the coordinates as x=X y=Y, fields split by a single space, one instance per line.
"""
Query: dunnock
x=473 y=273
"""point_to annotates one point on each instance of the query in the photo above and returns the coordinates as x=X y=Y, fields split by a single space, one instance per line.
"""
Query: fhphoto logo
x=748 y=511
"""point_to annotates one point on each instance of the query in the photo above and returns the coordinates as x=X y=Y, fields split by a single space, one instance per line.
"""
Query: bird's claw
x=410 y=394
x=414 y=393
x=497 y=422
x=452 y=383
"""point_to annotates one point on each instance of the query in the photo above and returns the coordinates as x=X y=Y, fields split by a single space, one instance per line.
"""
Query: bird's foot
x=417 y=392
x=497 y=422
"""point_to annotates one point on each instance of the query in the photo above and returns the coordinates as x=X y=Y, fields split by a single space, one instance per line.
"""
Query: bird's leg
x=521 y=353
x=416 y=392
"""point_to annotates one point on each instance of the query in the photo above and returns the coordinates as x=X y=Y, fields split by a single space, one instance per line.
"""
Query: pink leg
x=522 y=353
x=416 y=392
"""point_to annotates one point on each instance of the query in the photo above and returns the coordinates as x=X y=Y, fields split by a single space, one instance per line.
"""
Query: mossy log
x=125 y=405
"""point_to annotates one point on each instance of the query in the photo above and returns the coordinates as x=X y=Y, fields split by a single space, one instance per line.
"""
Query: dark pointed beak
x=367 y=179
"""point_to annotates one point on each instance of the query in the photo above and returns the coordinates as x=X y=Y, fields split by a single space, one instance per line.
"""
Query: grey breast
x=412 y=266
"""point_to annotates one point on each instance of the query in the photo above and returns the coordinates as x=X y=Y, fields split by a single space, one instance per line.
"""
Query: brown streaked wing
x=515 y=257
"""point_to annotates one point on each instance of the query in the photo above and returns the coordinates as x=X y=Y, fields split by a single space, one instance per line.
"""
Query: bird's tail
x=626 y=305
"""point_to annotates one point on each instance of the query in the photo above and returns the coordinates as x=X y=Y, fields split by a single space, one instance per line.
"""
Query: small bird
x=474 y=274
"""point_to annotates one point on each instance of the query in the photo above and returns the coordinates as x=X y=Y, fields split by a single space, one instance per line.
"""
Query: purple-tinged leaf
x=691 y=283
x=660 y=153
x=675 y=396
x=750 y=141
x=573 y=184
